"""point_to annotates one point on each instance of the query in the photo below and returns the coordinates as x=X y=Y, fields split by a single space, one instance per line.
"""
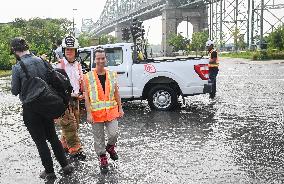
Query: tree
x=39 y=33
x=85 y=40
x=178 y=42
x=199 y=40
x=276 y=39
x=107 y=39
x=239 y=40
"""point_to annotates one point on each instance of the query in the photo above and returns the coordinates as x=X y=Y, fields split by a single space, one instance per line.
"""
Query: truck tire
x=162 y=98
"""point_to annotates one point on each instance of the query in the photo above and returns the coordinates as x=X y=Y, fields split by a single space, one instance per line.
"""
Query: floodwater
x=235 y=138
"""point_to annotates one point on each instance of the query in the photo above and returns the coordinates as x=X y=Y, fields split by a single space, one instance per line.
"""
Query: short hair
x=18 y=44
x=99 y=50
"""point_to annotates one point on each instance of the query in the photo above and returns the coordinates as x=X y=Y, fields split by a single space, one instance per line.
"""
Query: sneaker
x=68 y=169
x=112 y=153
x=103 y=163
x=48 y=176
x=79 y=156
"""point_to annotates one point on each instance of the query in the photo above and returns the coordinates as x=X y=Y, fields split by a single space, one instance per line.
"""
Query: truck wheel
x=162 y=98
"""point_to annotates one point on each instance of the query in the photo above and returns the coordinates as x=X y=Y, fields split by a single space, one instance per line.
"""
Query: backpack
x=59 y=80
x=49 y=101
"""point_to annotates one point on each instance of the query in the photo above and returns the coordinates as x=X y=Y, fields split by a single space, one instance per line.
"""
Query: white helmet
x=70 y=42
x=209 y=43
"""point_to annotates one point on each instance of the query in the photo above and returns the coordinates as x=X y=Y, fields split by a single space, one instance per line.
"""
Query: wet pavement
x=236 y=138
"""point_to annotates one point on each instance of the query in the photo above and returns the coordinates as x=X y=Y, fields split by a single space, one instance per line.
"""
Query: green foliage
x=261 y=55
x=239 y=39
x=276 y=39
x=107 y=39
x=244 y=55
x=39 y=33
x=198 y=41
x=257 y=55
x=85 y=40
x=178 y=42
x=4 y=73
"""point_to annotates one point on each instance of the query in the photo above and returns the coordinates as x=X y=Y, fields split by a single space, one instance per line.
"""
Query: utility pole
x=252 y=25
x=261 y=23
x=221 y=24
x=187 y=27
x=248 y=13
x=73 y=22
x=210 y=21
x=236 y=26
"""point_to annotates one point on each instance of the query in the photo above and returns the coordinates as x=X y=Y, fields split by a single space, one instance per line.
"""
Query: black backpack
x=59 y=80
x=52 y=97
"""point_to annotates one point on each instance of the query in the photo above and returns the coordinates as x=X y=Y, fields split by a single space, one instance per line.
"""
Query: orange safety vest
x=103 y=105
x=211 y=62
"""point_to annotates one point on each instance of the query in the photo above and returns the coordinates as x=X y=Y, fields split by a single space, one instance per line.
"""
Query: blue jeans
x=213 y=72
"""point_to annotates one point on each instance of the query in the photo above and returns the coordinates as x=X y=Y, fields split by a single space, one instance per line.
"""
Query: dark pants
x=213 y=72
x=41 y=130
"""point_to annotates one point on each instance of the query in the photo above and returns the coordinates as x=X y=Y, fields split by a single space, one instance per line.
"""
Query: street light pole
x=73 y=22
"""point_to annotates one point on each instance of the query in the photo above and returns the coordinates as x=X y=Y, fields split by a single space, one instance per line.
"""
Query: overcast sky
x=11 y=9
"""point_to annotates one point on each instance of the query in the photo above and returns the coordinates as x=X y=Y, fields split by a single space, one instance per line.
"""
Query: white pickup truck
x=161 y=81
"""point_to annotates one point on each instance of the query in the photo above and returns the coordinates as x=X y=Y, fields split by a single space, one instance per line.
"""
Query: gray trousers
x=99 y=135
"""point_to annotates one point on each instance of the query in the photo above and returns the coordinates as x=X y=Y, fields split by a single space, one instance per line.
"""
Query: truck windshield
x=114 y=56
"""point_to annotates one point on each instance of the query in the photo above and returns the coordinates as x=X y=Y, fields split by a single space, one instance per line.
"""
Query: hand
x=89 y=118
x=80 y=97
x=121 y=113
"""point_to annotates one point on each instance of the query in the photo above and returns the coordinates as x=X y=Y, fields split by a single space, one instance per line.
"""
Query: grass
x=243 y=55
x=256 y=55
x=4 y=73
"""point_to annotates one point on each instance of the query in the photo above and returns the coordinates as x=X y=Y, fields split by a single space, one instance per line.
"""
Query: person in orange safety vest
x=103 y=105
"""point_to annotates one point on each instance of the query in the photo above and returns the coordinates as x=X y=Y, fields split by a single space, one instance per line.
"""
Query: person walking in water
x=103 y=105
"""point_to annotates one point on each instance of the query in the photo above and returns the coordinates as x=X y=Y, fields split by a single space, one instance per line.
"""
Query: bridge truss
x=230 y=21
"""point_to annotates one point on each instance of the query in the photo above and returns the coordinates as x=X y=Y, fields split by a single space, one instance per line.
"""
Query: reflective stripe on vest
x=214 y=64
x=111 y=76
x=94 y=95
x=96 y=104
x=103 y=105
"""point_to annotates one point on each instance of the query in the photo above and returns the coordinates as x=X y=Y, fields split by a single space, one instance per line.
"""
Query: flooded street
x=235 y=138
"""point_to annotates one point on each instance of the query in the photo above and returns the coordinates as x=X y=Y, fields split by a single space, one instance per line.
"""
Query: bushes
x=260 y=55
x=4 y=73
x=244 y=55
x=5 y=61
x=276 y=55
x=257 y=55
x=264 y=55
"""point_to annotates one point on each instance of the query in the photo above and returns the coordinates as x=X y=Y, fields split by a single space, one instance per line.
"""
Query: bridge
x=119 y=13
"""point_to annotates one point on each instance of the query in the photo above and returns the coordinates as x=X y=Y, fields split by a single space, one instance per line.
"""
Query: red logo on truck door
x=149 y=68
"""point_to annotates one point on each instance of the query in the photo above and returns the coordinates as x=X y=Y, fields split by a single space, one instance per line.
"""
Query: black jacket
x=35 y=67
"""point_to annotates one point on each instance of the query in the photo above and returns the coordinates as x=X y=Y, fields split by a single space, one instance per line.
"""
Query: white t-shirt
x=72 y=70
